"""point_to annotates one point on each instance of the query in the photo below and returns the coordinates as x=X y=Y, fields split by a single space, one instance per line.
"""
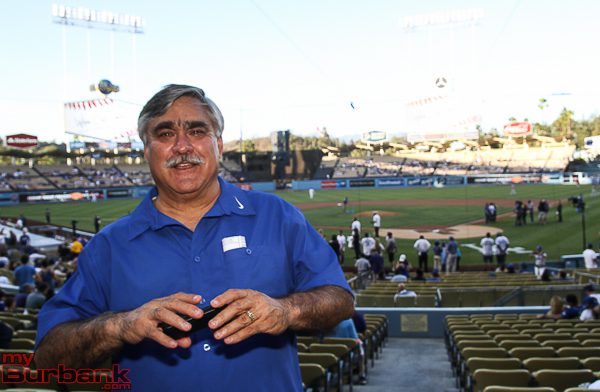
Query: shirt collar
x=231 y=201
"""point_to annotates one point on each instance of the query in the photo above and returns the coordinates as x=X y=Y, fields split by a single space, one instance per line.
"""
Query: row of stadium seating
x=23 y=178
x=330 y=363
x=482 y=161
x=469 y=289
x=512 y=350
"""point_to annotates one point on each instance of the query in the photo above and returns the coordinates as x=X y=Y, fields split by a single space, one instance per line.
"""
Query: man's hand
x=143 y=322
x=248 y=313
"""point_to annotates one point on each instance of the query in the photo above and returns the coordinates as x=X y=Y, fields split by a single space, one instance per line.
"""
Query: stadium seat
x=341 y=352
x=592 y=363
x=329 y=362
x=577 y=390
x=506 y=316
x=533 y=331
x=529 y=352
x=542 y=337
x=556 y=344
x=591 y=343
x=483 y=378
x=509 y=336
x=495 y=327
x=25 y=334
x=313 y=376
x=563 y=379
x=510 y=344
x=462 y=344
x=405 y=302
x=496 y=388
x=586 y=335
x=21 y=344
x=562 y=363
x=579 y=352
x=425 y=301
x=450 y=299
x=571 y=331
x=473 y=364
x=307 y=340
x=302 y=348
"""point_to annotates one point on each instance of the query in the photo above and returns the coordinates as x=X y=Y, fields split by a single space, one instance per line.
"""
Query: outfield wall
x=53 y=195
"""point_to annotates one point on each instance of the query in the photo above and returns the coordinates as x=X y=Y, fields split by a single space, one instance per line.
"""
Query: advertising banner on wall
x=22 y=140
x=333 y=184
x=363 y=182
x=60 y=196
x=117 y=193
x=385 y=182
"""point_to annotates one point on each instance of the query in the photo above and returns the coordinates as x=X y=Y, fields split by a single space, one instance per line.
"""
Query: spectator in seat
x=591 y=309
x=21 y=297
x=556 y=308
x=419 y=275
x=571 y=309
x=589 y=290
x=435 y=276
x=24 y=274
x=36 y=299
x=401 y=269
x=403 y=292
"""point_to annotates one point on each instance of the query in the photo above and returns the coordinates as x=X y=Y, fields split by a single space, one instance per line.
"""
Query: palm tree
x=563 y=122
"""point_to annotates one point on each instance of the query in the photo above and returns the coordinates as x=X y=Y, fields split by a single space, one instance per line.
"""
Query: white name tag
x=235 y=242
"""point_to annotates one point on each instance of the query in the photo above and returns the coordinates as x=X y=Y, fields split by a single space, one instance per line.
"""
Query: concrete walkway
x=411 y=365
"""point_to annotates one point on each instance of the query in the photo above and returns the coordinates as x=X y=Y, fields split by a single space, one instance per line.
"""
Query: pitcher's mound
x=382 y=213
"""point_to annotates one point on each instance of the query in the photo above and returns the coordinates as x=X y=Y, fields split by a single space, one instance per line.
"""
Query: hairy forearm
x=319 y=309
x=80 y=344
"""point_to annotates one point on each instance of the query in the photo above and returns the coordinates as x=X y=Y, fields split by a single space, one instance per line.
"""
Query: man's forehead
x=184 y=112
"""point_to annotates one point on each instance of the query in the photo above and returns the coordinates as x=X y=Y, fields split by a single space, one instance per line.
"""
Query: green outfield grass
x=557 y=239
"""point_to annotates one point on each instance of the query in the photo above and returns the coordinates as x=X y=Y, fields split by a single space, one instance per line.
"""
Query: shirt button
x=197 y=259
x=248 y=251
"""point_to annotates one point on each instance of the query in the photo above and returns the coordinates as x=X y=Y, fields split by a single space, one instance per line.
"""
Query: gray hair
x=162 y=101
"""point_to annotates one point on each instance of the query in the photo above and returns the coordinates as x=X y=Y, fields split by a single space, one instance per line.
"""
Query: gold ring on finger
x=251 y=315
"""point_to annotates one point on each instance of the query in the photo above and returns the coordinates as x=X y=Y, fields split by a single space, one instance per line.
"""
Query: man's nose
x=182 y=143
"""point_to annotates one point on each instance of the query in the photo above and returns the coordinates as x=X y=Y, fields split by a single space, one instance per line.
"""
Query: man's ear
x=220 y=145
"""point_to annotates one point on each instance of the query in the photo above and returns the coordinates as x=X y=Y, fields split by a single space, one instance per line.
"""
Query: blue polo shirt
x=147 y=255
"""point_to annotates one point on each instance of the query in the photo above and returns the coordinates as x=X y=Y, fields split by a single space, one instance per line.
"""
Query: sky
x=347 y=65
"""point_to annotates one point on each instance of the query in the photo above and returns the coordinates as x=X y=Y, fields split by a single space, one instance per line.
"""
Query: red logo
x=17 y=371
x=518 y=128
x=21 y=140
x=328 y=184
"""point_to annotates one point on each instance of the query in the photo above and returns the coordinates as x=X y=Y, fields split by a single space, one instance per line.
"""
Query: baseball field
x=435 y=213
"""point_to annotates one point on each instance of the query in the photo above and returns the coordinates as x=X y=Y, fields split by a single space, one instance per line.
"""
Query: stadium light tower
x=96 y=19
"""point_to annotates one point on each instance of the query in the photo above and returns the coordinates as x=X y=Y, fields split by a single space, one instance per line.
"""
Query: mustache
x=186 y=158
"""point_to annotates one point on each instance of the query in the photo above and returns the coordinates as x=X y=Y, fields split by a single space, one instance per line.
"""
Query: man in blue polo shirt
x=195 y=240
